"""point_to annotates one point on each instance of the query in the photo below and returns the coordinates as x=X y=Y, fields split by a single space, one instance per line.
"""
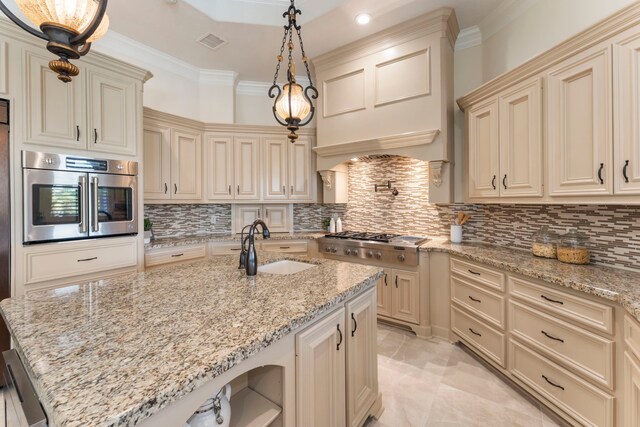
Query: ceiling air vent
x=212 y=41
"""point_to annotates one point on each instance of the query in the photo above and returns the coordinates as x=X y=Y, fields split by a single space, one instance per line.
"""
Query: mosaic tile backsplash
x=614 y=231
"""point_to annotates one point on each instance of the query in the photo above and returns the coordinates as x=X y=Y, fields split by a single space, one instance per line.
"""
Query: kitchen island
x=125 y=351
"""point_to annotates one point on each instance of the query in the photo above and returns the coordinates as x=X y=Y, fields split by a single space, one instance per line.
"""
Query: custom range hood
x=390 y=94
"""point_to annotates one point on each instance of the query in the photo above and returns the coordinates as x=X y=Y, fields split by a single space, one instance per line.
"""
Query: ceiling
x=253 y=28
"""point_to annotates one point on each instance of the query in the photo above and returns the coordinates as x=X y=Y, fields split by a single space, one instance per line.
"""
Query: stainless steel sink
x=285 y=267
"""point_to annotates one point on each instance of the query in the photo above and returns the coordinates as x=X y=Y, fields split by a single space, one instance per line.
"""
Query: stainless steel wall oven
x=70 y=197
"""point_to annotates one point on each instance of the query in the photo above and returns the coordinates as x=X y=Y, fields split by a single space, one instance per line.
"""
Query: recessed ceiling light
x=363 y=18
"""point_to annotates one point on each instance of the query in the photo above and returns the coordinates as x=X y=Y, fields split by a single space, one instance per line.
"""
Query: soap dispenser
x=339 y=225
x=332 y=226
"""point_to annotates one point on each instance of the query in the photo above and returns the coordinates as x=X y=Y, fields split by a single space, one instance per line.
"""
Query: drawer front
x=588 y=313
x=576 y=397
x=587 y=353
x=479 y=273
x=484 y=338
x=632 y=335
x=285 y=247
x=176 y=254
x=487 y=305
x=58 y=261
x=229 y=248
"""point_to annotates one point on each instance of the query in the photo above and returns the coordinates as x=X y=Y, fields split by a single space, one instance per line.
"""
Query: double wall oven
x=70 y=197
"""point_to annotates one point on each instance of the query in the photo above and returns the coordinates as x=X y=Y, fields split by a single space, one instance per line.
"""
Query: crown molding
x=442 y=21
x=604 y=30
x=253 y=88
x=469 y=37
x=218 y=77
x=411 y=139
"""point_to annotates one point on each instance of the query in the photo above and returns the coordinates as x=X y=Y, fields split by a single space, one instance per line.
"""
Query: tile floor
x=432 y=383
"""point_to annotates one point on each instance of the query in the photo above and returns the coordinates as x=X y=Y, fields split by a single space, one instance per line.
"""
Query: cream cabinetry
x=279 y=218
x=626 y=113
x=162 y=256
x=631 y=373
x=172 y=162
x=287 y=168
x=336 y=365
x=579 y=97
x=232 y=167
x=399 y=296
x=505 y=144
x=247 y=168
x=98 y=111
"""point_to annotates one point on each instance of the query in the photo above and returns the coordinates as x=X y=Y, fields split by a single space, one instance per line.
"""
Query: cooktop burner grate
x=355 y=235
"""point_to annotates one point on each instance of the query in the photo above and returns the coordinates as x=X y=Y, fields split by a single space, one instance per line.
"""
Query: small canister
x=544 y=243
x=573 y=248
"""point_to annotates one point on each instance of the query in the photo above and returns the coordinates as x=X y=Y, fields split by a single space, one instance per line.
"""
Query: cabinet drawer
x=225 y=248
x=484 y=338
x=581 y=310
x=61 y=260
x=478 y=273
x=579 y=399
x=632 y=335
x=587 y=353
x=482 y=303
x=285 y=247
x=175 y=254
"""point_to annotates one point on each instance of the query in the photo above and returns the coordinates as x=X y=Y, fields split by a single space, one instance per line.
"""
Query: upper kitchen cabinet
x=484 y=150
x=186 y=164
x=580 y=149
x=626 y=109
x=100 y=110
x=587 y=148
x=391 y=93
x=232 y=167
x=157 y=161
x=287 y=170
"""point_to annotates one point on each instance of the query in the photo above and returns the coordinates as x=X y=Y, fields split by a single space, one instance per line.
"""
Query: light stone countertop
x=168 y=242
x=614 y=284
x=113 y=352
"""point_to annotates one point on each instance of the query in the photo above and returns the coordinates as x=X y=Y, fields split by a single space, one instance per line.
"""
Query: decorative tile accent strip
x=187 y=220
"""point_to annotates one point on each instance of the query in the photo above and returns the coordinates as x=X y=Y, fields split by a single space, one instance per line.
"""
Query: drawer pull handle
x=474 y=299
x=285 y=247
x=600 y=173
x=552 y=383
x=551 y=337
x=385 y=279
x=355 y=325
x=88 y=259
x=474 y=272
x=339 y=342
x=493 y=182
x=551 y=300
x=235 y=249
x=474 y=332
x=624 y=171
x=176 y=255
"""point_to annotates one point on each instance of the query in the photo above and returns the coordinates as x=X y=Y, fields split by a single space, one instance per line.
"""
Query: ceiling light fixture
x=68 y=26
x=292 y=107
x=363 y=18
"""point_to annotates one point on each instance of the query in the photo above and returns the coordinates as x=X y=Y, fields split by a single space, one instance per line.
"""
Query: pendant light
x=292 y=106
x=68 y=26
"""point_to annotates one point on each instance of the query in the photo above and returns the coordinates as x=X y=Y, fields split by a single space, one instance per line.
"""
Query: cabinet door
x=320 y=373
x=300 y=169
x=362 y=357
x=484 y=156
x=275 y=168
x=112 y=113
x=405 y=298
x=219 y=167
x=277 y=218
x=631 y=391
x=247 y=168
x=245 y=215
x=186 y=165
x=626 y=109
x=383 y=295
x=521 y=141
x=157 y=162
x=580 y=149
x=55 y=111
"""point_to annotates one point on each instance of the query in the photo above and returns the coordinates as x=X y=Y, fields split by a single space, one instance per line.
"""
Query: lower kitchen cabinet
x=162 y=256
x=336 y=366
x=631 y=391
x=383 y=295
x=405 y=296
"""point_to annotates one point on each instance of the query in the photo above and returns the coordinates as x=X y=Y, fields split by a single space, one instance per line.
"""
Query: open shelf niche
x=257 y=398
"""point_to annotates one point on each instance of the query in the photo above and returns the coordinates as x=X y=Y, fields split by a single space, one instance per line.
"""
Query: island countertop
x=114 y=352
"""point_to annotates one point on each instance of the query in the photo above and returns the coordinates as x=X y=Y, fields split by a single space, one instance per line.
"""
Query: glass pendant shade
x=300 y=107
x=73 y=14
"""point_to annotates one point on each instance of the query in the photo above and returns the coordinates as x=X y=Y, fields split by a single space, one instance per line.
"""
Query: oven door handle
x=83 y=204
x=95 y=226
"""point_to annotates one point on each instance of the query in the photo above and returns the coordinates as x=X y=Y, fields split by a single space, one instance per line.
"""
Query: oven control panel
x=384 y=254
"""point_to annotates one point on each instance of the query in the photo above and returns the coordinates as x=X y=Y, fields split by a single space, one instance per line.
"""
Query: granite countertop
x=167 y=242
x=614 y=284
x=113 y=352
